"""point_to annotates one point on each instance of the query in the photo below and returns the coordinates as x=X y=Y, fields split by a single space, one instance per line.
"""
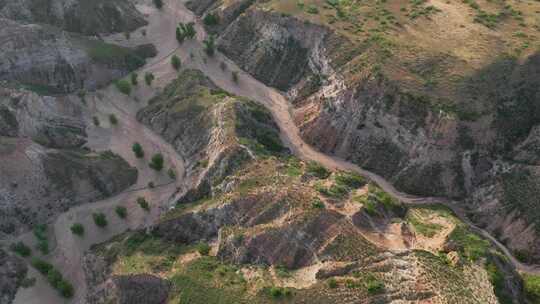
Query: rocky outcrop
x=44 y=169
x=205 y=125
x=12 y=272
x=80 y=16
x=51 y=61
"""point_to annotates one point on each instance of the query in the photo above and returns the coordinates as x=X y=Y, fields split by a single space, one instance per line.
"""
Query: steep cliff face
x=44 y=169
x=51 y=61
x=85 y=17
x=376 y=84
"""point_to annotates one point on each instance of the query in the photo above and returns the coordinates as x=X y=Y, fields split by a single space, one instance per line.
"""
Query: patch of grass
x=203 y=248
x=54 y=277
x=134 y=79
x=470 y=245
x=350 y=179
x=532 y=287
x=421 y=226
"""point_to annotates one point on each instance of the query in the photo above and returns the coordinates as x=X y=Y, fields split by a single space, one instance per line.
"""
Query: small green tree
x=121 y=212
x=113 y=120
x=332 y=283
x=77 y=229
x=123 y=86
x=203 y=248
x=134 y=78
x=138 y=150
x=184 y=31
x=211 y=19
x=158 y=3
x=65 y=288
x=143 y=203
x=100 y=219
x=210 y=45
x=156 y=162
x=175 y=62
x=148 y=78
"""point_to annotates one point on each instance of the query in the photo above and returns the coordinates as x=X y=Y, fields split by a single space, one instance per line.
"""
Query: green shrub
x=40 y=232
x=134 y=78
x=532 y=287
x=121 y=212
x=158 y=3
x=54 y=277
x=113 y=120
x=41 y=266
x=351 y=180
x=21 y=249
x=374 y=285
x=203 y=248
x=100 y=219
x=123 y=86
x=77 y=229
x=138 y=150
x=96 y=121
x=210 y=45
x=148 y=78
x=66 y=289
x=234 y=76
x=156 y=162
x=143 y=203
x=317 y=170
x=317 y=204
x=312 y=9
x=175 y=62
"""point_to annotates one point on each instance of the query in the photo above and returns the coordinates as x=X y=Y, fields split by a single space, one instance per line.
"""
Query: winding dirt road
x=68 y=249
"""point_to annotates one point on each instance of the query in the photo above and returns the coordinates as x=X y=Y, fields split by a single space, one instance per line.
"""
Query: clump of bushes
x=351 y=180
x=138 y=150
x=21 y=249
x=77 y=229
x=185 y=30
x=211 y=19
x=156 y=162
x=279 y=292
x=158 y=3
x=171 y=173
x=54 y=277
x=210 y=45
x=100 y=219
x=175 y=62
x=123 y=86
x=143 y=203
x=121 y=212
x=332 y=283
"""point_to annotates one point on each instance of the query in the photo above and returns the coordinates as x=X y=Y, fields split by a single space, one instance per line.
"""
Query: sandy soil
x=68 y=253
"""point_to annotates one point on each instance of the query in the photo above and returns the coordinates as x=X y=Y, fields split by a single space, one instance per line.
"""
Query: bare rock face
x=80 y=16
x=51 y=61
x=12 y=272
x=44 y=170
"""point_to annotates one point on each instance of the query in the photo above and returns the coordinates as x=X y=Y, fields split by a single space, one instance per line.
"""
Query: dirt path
x=68 y=249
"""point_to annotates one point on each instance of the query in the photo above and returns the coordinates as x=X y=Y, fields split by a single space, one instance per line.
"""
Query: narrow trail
x=68 y=250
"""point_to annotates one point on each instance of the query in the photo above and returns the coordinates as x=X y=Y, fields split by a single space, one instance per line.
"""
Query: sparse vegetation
x=138 y=150
x=203 y=248
x=95 y=119
x=100 y=219
x=211 y=19
x=317 y=170
x=210 y=45
x=40 y=232
x=185 y=31
x=532 y=287
x=234 y=76
x=332 y=283
x=156 y=162
x=134 y=78
x=77 y=229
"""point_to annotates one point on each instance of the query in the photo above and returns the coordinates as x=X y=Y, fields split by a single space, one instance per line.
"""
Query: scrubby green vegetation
x=158 y=3
x=350 y=179
x=211 y=19
x=317 y=170
x=156 y=162
x=121 y=212
x=77 y=229
x=377 y=197
x=54 y=277
x=111 y=54
x=203 y=248
x=185 y=31
x=210 y=45
x=138 y=150
x=171 y=173
x=95 y=119
x=469 y=244
x=21 y=249
x=100 y=219
x=134 y=78
x=123 y=86
x=496 y=277
x=113 y=120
